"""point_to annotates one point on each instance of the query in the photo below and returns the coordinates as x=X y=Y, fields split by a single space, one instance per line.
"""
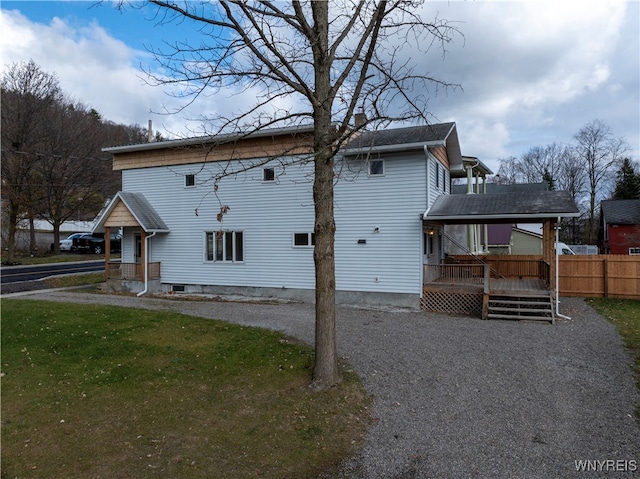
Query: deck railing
x=509 y=266
x=454 y=273
x=131 y=271
x=470 y=271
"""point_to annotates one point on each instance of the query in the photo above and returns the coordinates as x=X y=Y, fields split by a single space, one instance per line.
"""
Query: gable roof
x=498 y=207
x=436 y=134
x=408 y=138
x=148 y=219
x=621 y=212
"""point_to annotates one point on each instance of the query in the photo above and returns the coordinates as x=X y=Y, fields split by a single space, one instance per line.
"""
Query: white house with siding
x=191 y=226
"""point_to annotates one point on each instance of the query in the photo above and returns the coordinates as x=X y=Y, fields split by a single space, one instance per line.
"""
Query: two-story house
x=234 y=214
x=189 y=225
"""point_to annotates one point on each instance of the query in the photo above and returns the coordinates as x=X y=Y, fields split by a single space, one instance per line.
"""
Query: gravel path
x=460 y=397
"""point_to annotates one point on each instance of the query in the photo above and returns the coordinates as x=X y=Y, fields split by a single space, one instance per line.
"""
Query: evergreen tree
x=547 y=177
x=627 y=182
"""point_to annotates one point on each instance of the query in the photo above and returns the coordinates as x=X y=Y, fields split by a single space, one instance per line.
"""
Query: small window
x=634 y=251
x=226 y=246
x=437 y=174
x=268 y=174
x=376 y=167
x=304 y=239
x=190 y=180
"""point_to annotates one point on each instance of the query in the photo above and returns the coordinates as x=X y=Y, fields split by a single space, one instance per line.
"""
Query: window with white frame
x=302 y=240
x=268 y=174
x=376 y=167
x=190 y=181
x=225 y=246
x=634 y=251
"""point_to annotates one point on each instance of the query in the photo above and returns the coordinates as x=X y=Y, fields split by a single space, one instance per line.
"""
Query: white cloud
x=533 y=72
x=92 y=67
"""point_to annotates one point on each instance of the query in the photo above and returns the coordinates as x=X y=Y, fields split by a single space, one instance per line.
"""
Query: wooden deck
x=522 y=287
x=504 y=298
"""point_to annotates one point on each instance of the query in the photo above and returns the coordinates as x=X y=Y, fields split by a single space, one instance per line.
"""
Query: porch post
x=549 y=251
x=107 y=250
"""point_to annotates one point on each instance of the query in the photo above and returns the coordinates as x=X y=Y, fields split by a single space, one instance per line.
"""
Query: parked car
x=66 y=245
x=94 y=243
x=562 y=248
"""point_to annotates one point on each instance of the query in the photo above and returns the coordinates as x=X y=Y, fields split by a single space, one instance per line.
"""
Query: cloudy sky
x=532 y=72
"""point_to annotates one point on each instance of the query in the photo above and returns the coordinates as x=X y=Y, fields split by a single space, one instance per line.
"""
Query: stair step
x=521 y=303
x=517 y=310
x=509 y=316
x=521 y=295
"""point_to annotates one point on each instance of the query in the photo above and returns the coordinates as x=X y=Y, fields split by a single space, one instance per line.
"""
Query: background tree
x=627 y=181
x=599 y=150
x=76 y=180
x=329 y=59
x=27 y=95
x=52 y=164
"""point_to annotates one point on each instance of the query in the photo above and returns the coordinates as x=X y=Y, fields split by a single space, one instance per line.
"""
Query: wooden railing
x=454 y=273
x=131 y=271
x=509 y=266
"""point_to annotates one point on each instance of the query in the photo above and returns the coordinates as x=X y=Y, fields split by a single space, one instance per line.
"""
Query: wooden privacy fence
x=608 y=276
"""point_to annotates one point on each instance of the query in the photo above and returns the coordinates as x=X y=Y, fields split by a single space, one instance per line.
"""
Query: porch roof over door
x=131 y=209
x=532 y=207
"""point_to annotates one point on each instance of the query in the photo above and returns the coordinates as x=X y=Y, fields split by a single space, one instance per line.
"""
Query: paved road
x=459 y=397
x=27 y=278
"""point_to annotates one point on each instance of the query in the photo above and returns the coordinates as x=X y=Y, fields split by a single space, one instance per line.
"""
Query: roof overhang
x=209 y=139
x=501 y=208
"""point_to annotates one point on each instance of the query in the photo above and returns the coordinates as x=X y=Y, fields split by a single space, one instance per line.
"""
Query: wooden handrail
x=131 y=271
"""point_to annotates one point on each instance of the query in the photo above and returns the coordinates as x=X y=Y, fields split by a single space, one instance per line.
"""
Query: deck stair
x=521 y=306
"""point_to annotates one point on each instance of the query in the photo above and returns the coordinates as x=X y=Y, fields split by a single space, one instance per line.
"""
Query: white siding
x=269 y=213
x=393 y=203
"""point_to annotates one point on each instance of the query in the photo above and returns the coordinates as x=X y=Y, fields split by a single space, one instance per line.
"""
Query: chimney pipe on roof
x=360 y=118
x=150 y=132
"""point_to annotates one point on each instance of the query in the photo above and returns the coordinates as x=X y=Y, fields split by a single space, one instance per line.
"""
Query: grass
x=97 y=391
x=625 y=315
x=67 y=281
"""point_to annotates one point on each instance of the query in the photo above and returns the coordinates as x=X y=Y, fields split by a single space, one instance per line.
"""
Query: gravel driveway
x=459 y=397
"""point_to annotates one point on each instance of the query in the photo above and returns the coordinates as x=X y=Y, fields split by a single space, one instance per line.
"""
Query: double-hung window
x=225 y=246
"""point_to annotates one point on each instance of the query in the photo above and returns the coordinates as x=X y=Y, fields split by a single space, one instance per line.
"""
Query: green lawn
x=625 y=314
x=95 y=391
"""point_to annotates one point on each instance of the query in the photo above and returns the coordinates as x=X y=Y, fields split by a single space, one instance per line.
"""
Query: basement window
x=301 y=240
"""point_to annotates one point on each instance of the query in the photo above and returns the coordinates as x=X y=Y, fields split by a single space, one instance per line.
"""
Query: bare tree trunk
x=33 y=242
x=325 y=373
x=11 y=237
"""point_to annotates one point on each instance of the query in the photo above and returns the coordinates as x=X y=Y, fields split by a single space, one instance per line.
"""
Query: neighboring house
x=620 y=221
x=509 y=239
x=264 y=243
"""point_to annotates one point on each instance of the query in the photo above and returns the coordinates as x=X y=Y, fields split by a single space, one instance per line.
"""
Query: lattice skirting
x=452 y=302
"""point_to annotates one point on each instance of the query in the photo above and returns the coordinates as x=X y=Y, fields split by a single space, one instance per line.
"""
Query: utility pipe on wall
x=146 y=264
x=555 y=251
